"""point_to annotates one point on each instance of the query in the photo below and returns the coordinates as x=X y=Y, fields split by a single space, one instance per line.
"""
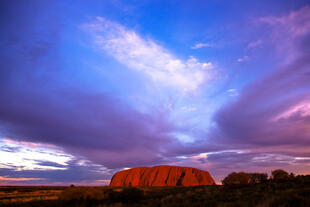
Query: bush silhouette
x=127 y=195
x=240 y=178
x=258 y=177
x=279 y=175
x=82 y=193
x=294 y=192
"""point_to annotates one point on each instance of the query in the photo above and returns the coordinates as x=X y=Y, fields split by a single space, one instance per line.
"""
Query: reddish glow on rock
x=162 y=176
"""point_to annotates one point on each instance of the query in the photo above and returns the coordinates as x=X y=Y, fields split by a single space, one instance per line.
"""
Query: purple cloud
x=94 y=125
x=271 y=117
x=256 y=116
x=75 y=173
x=265 y=125
x=41 y=102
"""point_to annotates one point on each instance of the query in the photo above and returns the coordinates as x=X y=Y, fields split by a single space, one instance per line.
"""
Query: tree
x=292 y=175
x=240 y=178
x=279 y=175
x=258 y=177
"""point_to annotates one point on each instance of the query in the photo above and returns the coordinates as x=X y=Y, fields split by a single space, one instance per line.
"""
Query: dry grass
x=10 y=195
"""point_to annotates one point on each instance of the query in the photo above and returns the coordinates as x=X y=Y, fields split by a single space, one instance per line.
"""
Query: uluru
x=163 y=175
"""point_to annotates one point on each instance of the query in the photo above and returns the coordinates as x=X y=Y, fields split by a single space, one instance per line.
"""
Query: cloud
x=255 y=44
x=223 y=163
x=297 y=22
x=31 y=164
x=41 y=103
x=243 y=59
x=5 y=178
x=269 y=120
x=85 y=174
x=267 y=125
x=151 y=59
x=201 y=45
x=113 y=134
x=289 y=33
x=28 y=156
x=254 y=117
x=233 y=92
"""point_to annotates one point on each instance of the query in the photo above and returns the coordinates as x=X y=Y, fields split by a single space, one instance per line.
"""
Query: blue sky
x=100 y=86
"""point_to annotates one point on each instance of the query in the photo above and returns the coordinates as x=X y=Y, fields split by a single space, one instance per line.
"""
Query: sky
x=88 y=88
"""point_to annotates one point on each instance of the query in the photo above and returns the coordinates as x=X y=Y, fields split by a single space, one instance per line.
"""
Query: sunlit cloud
x=144 y=55
x=6 y=178
x=31 y=156
x=216 y=94
x=296 y=22
x=233 y=92
x=201 y=45
x=299 y=110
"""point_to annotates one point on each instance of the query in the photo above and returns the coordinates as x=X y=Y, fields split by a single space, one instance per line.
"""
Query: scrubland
x=292 y=191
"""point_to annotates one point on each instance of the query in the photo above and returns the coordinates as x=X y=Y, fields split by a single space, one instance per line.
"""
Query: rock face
x=162 y=176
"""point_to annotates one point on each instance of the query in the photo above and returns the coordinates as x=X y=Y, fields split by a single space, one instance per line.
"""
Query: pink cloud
x=297 y=23
x=5 y=178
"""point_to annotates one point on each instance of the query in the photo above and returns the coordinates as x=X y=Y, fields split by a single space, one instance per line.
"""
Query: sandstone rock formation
x=162 y=176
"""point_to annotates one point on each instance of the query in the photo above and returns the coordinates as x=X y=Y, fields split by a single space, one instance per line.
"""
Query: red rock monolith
x=162 y=176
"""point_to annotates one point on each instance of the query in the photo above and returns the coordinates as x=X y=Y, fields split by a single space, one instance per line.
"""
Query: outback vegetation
x=238 y=189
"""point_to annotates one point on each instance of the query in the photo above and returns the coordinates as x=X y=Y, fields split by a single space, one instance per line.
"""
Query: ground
x=294 y=192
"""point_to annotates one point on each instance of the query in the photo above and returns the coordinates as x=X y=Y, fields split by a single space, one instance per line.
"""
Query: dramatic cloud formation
x=147 y=56
x=110 y=128
x=271 y=117
x=39 y=105
x=270 y=111
x=83 y=96
x=31 y=156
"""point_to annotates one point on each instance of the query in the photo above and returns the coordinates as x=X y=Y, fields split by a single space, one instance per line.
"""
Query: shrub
x=82 y=193
x=279 y=175
x=258 y=177
x=127 y=195
x=235 y=178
